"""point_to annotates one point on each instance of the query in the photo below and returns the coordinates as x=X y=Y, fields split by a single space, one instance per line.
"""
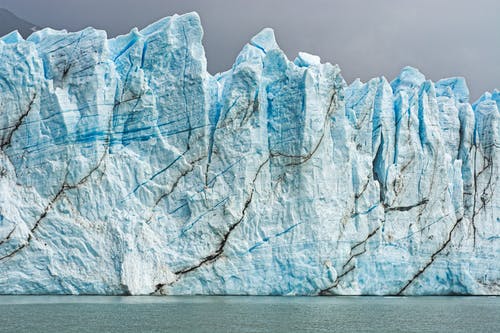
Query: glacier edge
x=126 y=168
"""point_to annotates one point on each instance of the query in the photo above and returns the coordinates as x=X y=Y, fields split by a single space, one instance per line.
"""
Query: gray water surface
x=248 y=314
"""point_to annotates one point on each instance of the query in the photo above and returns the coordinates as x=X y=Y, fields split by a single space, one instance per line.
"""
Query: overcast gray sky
x=367 y=38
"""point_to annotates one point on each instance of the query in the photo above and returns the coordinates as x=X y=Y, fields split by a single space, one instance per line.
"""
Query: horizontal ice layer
x=126 y=168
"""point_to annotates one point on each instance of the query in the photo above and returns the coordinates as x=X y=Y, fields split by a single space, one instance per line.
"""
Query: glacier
x=127 y=169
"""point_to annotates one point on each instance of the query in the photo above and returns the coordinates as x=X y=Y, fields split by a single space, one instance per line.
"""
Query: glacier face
x=126 y=168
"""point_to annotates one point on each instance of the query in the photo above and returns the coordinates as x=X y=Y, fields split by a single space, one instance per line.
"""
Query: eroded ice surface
x=125 y=167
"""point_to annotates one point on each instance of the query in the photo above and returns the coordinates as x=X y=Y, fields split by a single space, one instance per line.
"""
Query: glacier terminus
x=127 y=169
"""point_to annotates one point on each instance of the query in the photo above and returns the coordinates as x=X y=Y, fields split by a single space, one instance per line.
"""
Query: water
x=248 y=314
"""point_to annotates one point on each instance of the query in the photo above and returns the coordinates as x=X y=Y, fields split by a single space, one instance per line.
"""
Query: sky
x=367 y=38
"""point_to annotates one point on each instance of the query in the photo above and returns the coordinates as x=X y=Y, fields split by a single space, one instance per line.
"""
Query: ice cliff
x=126 y=168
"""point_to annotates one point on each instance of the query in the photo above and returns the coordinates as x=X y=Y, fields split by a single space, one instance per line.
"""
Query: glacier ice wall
x=126 y=168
